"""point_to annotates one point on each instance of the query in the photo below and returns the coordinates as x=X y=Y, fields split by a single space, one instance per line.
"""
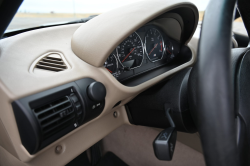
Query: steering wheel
x=219 y=87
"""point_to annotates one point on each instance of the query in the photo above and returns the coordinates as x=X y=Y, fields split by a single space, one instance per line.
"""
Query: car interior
x=143 y=84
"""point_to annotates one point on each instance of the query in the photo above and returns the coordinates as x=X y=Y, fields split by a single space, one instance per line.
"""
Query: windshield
x=33 y=13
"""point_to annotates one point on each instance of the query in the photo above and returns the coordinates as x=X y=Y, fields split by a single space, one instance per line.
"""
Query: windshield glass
x=33 y=13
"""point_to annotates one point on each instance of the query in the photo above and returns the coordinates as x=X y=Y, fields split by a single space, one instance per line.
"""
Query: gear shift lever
x=164 y=143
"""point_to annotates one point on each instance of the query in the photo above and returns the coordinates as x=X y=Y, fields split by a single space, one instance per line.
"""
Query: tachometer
x=130 y=52
x=154 y=45
x=169 y=49
x=111 y=65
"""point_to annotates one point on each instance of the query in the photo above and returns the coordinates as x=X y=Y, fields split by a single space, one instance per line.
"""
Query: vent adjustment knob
x=96 y=91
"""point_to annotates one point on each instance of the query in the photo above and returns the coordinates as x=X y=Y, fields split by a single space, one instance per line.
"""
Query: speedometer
x=130 y=52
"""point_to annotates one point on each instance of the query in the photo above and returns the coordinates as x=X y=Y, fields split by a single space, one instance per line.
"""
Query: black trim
x=182 y=57
x=118 y=103
x=243 y=7
x=30 y=125
x=242 y=40
x=147 y=109
x=83 y=20
x=8 y=9
x=130 y=119
x=188 y=17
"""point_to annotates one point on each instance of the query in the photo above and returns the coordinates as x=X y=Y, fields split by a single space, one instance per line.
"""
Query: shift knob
x=96 y=91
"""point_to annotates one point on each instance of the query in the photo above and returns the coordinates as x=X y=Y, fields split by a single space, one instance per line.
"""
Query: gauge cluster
x=144 y=50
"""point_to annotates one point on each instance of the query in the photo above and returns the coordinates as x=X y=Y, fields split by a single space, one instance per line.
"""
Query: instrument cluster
x=143 y=50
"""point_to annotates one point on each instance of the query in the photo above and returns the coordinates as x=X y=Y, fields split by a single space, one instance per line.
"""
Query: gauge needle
x=153 y=49
x=161 y=46
x=128 y=55
x=168 y=51
x=109 y=70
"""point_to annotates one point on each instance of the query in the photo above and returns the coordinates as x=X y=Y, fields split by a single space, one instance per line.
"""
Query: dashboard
x=145 y=49
x=42 y=109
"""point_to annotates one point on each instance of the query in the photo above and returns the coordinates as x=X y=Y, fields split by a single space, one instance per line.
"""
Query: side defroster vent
x=55 y=116
x=50 y=62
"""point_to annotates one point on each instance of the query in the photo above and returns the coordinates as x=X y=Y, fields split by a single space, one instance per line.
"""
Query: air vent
x=52 y=62
x=55 y=116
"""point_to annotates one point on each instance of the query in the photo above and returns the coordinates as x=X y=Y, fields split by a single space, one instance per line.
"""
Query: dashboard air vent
x=52 y=62
x=55 y=116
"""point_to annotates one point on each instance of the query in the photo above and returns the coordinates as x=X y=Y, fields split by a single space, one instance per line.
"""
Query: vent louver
x=55 y=116
x=52 y=62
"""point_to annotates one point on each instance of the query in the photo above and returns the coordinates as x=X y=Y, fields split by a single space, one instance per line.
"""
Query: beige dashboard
x=75 y=43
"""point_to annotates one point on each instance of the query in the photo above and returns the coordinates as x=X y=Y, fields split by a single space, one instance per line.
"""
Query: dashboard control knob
x=96 y=91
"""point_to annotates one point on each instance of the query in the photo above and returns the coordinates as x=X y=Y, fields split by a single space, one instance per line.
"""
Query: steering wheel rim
x=213 y=106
